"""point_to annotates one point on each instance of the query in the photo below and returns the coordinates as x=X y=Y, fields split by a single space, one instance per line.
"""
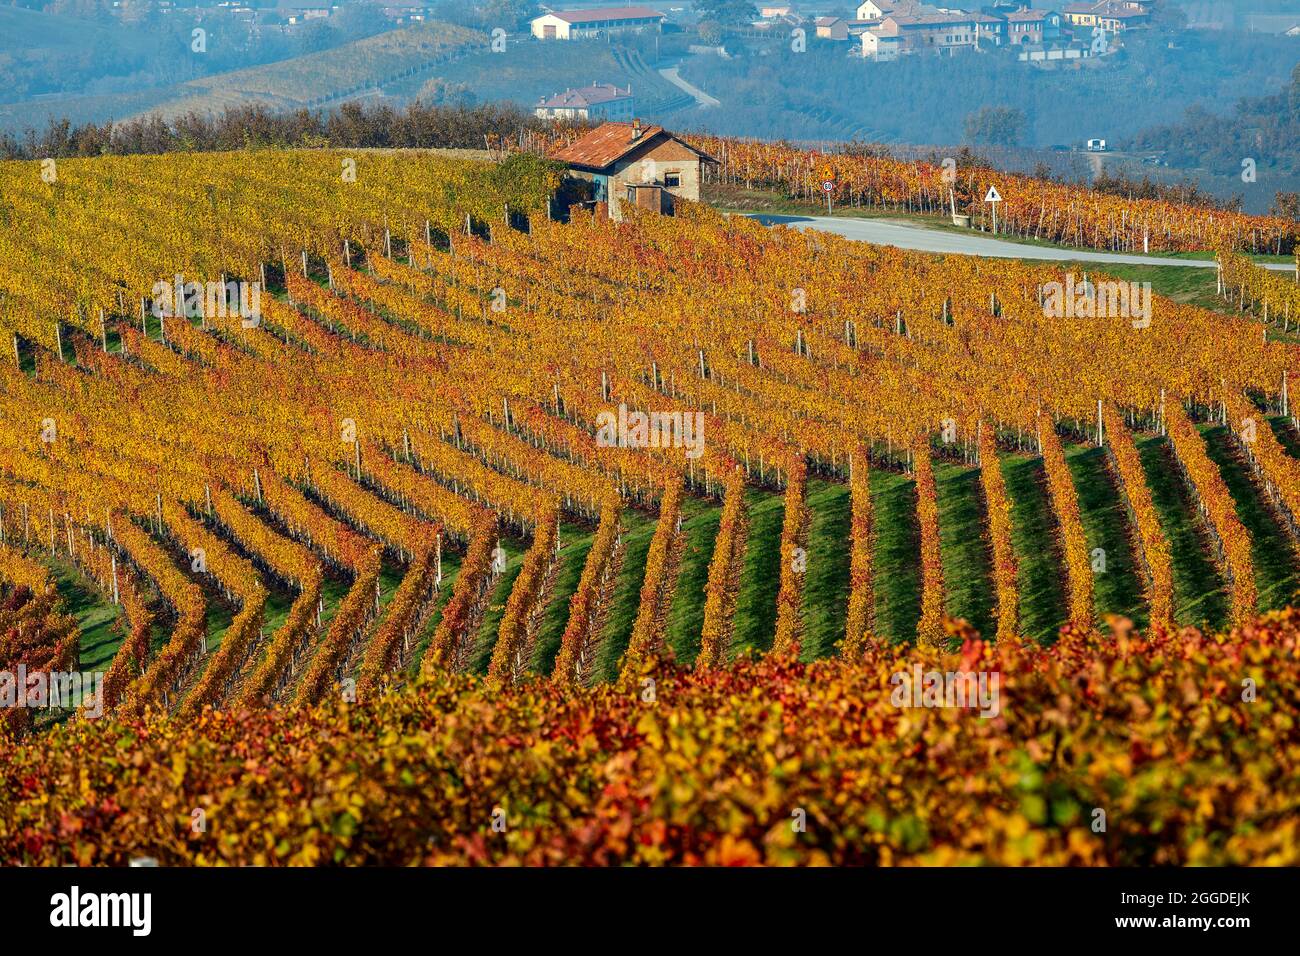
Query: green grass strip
x=1120 y=587
x=1277 y=573
x=896 y=556
x=486 y=637
x=625 y=603
x=1037 y=547
x=700 y=519
x=1200 y=597
x=760 y=572
x=826 y=587
x=575 y=543
x=964 y=547
x=96 y=616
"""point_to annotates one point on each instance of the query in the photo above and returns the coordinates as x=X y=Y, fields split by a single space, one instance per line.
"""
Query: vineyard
x=1030 y=208
x=379 y=565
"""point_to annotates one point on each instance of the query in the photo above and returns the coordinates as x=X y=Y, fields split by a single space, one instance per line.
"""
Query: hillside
x=530 y=71
x=316 y=77
x=477 y=507
x=362 y=67
x=44 y=53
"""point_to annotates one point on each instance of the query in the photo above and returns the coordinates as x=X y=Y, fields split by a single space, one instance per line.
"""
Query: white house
x=599 y=101
x=878 y=47
x=879 y=9
x=577 y=24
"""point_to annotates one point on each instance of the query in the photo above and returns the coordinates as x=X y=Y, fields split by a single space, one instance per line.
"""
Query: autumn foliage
x=1159 y=732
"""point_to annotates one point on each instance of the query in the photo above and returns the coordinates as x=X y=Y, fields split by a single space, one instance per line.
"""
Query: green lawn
x=486 y=637
x=700 y=520
x=1035 y=539
x=1120 y=588
x=638 y=530
x=575 y=545
x=97 y=617
x=760 y=573
x=451 y=562
x=965 y=547
x=896 y=556
x=826 y=586
x=1199 y=595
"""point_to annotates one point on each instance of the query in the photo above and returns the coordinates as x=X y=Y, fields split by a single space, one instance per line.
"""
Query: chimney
x=636 y=130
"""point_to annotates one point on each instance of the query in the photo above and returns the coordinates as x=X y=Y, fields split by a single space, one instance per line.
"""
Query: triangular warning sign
x=994 y=195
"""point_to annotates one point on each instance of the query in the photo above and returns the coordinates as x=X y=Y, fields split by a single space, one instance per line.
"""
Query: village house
x=832 y=28
x=603 y=101
x=579 y=24
x=769 y=11
x=990 y=29
x=879 y=9
x=1032 y=26
x=1113 y=16
x=858 y=27
x=878 y=47
x=642 y=166
x=941 y=32
x=406 y=11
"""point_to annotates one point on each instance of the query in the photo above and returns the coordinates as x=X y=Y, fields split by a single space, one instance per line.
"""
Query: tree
x=1286 y=206
x=710 y=32
x=1167 y=17
x=726 y=11
x=995 y=126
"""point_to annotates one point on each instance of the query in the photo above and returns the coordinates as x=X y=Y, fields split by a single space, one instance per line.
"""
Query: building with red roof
x=631 y=164
x=577 y=24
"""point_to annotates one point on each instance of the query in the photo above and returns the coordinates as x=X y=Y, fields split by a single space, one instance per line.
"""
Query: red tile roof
x=606 y=13
x=610 y=142
x=605 y=145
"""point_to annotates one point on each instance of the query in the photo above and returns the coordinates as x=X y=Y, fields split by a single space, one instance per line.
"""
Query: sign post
x=993 y=198
x=828 y=186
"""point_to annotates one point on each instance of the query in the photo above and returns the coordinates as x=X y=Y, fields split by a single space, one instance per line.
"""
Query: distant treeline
x=251 y=127
x=1265 y=129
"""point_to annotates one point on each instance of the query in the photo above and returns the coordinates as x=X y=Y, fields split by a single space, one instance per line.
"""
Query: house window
x=672 y=179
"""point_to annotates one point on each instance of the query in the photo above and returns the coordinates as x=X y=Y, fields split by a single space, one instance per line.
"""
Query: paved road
x=905 y=235
x=704 y=99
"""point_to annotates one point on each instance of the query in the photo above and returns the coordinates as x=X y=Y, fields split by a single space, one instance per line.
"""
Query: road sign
x=994 y=197
x=829 y=185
